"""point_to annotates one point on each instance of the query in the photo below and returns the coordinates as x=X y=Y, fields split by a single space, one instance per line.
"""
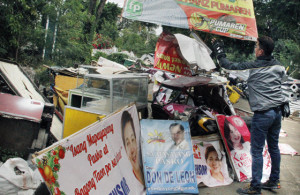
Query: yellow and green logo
x=134 y=7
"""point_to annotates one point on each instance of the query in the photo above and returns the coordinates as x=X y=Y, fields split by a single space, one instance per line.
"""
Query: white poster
x=210 y=163
x=103 y=158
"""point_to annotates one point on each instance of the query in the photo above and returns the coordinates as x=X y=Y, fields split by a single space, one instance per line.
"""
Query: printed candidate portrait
x=234 y=138
x=177 y=132
x=217 y=174
x=215 y=163
x=131 y=145
x=236 y=133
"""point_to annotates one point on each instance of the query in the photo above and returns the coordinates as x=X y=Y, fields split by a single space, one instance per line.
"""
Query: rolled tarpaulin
x=108 y=63
x=291 y=95
x=294 y=87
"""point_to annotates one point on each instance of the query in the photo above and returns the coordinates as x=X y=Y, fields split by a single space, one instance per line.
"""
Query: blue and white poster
x=168 y=157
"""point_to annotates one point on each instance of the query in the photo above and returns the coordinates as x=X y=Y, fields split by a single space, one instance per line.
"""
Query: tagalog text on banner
x=95 y=160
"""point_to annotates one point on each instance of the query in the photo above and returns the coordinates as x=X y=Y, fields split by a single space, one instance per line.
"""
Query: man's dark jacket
x=264 y=82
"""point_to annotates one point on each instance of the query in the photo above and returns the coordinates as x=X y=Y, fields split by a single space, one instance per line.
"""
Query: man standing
x=265 y=98
x=177 y=133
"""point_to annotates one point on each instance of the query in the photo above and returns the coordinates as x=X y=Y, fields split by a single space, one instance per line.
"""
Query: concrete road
x=290 y=165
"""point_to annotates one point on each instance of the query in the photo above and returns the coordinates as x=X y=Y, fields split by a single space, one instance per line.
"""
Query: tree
x=71 y=46
x=138 y=37
x=107 y=25
x=95 y=9
x=280 y=20
x=109 y=16
x=19 y=27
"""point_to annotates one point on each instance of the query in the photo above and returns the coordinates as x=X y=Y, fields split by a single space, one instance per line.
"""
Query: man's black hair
x=175 y=124
x=267 y=44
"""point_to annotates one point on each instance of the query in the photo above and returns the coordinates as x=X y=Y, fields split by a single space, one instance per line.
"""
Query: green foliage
x=109 y=30
x=42 y=76
x=5 y=154
x=18 y=24
x=98 y=55
x=237 y=56
x=175 y=30
x=30 y=53
x=288 y=53
x=138 y=38
x=109 y=16
x=118 y=57
x=278 y=19
x=71 y=44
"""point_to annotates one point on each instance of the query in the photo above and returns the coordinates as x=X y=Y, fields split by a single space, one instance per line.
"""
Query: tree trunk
x=18 y=46
x=98 y=15
x=100 y=10
x=55 y=32
x=92 y=7
x=45 y=40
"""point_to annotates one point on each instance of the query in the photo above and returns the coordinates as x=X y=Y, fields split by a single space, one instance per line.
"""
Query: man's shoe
x=271 y=185
x=249 y=190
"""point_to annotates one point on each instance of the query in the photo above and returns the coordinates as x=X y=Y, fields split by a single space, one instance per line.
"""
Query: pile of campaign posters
x=236 y=138
x=210 y=163
x=103 y=158
x=168 y=157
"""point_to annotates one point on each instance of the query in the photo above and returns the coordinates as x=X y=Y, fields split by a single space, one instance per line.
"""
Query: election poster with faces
x=210 y=163
x=236 y=138
x=103 y=158
x=168 y=157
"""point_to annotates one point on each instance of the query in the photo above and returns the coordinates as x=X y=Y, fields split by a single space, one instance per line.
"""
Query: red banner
x=167 y=56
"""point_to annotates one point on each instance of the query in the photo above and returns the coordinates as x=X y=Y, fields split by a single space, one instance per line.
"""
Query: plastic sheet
x=16 y=177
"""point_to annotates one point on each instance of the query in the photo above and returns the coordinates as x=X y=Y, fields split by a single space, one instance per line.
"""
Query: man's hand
x=218 y=47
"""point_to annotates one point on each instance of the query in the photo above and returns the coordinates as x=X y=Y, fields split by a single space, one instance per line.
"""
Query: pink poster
x=236 y=137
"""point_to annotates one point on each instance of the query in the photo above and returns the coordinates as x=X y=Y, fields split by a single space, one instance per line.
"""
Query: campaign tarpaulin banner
x=231 y=18
x=167 y=56
x=210 y=163
x=236 y=137
x=168 y=157
x=103 y=158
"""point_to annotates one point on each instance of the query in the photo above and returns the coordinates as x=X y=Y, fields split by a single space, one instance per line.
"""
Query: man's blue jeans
x=265 y=125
